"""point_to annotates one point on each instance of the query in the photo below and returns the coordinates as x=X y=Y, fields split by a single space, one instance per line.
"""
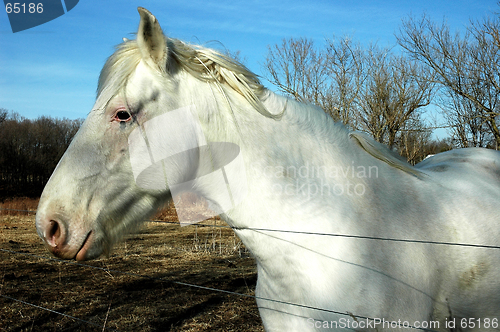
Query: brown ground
x=205 y=256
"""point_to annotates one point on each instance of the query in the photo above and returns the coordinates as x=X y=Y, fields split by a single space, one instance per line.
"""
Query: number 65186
x=23 y=8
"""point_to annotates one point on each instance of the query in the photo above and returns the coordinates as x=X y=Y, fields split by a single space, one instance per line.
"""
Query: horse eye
x=122 y=116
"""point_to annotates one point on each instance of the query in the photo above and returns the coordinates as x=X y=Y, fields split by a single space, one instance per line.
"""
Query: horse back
x=471 y=164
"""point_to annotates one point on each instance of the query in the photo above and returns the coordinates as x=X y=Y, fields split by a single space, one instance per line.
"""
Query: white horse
x=293 y=177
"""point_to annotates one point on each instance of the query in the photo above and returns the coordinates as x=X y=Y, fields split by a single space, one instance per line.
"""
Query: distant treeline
x=30 y=150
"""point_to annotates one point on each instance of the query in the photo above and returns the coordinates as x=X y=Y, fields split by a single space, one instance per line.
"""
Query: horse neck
x=295 y=168
x=228 y=117
x=305 y=135
x=303 y=148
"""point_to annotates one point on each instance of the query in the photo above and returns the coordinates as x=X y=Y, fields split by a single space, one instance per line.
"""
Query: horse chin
x=91 y=248
x=114 y=227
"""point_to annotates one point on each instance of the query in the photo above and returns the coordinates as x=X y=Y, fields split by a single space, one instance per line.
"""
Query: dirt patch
x=128 y=300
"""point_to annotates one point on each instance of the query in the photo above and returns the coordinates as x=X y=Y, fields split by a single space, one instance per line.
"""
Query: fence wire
x=329 y=311
x=470 y=245
x=347 y=314
x=57 y=312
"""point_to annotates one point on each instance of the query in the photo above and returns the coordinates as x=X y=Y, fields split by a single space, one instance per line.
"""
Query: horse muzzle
x=63 y=242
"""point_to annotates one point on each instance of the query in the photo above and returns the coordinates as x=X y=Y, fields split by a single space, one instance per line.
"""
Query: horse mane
x=214 y=67
x=202 y=63
x=381 y=152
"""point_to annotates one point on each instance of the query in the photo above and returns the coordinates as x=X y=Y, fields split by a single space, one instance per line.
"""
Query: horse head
x=143 y=137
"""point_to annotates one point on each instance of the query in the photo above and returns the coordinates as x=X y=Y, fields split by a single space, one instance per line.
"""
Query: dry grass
x=206 y=256
x=18 y=206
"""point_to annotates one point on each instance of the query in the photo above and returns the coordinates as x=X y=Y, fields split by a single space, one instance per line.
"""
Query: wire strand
x=57 y=312
x=348 y=314
x=266 y=230
x=472 y=245
x=365 y=237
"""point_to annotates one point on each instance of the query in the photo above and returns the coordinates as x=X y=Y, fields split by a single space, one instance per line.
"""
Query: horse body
x=308 y=179
x=371 y=278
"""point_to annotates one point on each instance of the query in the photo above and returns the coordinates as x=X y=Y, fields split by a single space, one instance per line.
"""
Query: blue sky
x=52 y=69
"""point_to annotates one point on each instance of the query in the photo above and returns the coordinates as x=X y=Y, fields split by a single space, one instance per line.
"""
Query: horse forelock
x=118 y=67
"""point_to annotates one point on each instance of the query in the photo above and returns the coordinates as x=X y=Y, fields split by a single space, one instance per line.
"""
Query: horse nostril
x=54 y=234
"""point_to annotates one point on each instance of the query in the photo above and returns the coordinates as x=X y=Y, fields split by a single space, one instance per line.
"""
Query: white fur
x=451 y=197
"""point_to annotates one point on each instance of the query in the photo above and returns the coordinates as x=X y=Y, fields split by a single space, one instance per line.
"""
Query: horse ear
x=151 y=40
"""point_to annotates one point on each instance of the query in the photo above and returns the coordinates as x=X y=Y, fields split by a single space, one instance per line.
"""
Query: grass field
x=206 y=256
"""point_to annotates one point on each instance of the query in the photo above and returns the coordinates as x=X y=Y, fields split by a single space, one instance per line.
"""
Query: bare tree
x=298 y=69
x=415 y=140
x=367 y=89
x=468 y=66
x=30 y=150
x=395 y=90
x=347 y=72
x=330 y=79
x=3 y=115
x=464 y=121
